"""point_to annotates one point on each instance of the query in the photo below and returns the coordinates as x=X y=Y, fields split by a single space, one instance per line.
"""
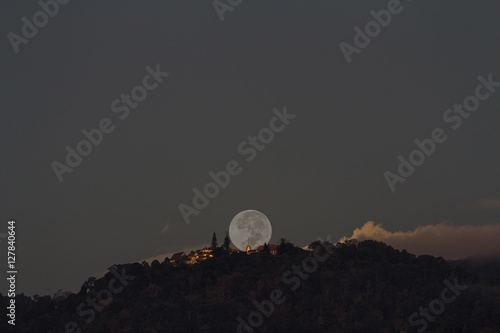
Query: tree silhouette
x=87 y=285
x=286 y=247
x=225 y=246
x=214 y=242
x=370 y=287
x=314 y=244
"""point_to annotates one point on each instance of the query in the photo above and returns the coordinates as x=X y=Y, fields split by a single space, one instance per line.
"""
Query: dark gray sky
x=322 y=175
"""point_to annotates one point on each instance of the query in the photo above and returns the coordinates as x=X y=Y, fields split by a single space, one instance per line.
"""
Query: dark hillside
x=360 y=287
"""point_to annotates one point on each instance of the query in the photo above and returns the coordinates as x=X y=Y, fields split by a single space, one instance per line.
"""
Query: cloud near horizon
x=442 y=240
x=485 y=204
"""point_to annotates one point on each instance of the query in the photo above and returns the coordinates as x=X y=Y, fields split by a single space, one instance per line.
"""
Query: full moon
x=250 y=226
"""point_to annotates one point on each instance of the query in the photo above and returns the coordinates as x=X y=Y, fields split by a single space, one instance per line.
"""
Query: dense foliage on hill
x=487 y=267
x=354 y=287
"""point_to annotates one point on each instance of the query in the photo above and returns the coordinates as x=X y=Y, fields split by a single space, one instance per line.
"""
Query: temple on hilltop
x=249 y=249
x=200 y=255
x=177 y=256
x=191 y=258
x=273 y=249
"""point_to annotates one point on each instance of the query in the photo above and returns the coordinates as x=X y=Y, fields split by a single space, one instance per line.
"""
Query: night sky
x=322 y=175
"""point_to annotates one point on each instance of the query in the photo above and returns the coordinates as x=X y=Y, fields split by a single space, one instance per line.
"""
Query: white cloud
x=443 y=240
